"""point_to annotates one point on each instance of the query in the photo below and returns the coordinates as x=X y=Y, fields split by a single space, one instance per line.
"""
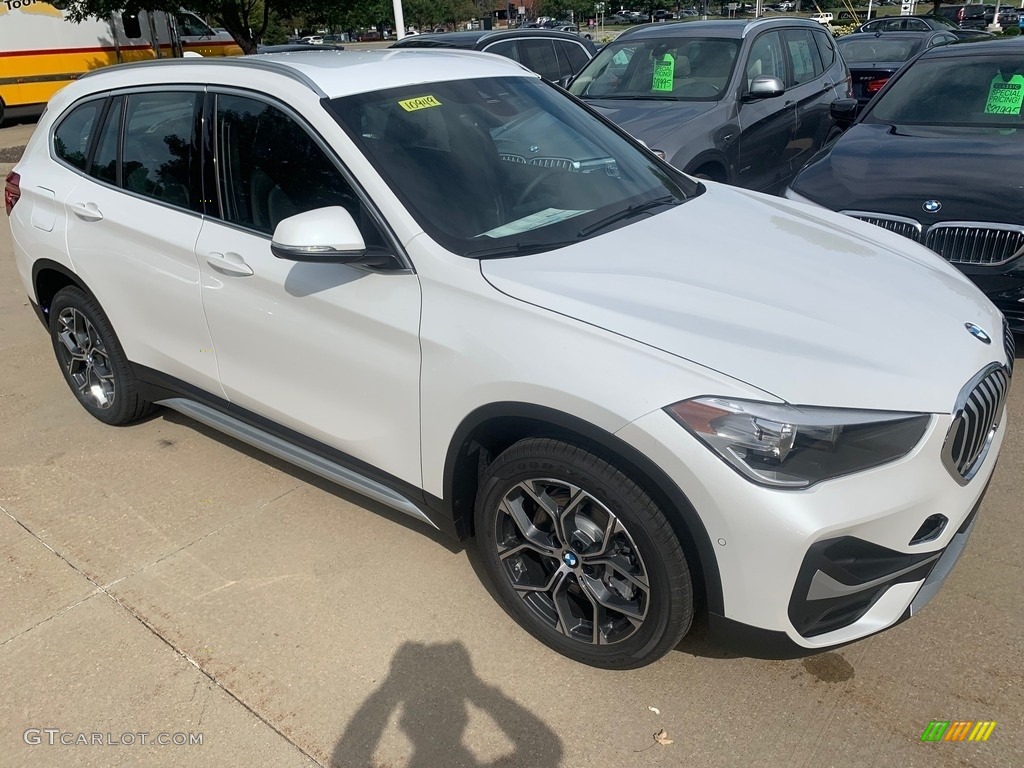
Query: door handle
x=228 y=263
x=86 y=211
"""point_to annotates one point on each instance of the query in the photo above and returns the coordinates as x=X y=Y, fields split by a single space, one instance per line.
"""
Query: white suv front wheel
x=581 y=556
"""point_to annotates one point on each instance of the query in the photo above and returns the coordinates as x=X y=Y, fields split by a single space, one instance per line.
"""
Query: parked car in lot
x=295 y=47
x=971 y=16
x=943 y=142
x=550 y=53
x=582 y=360
x=921 y=24
x=873 y=57
x=745 y=103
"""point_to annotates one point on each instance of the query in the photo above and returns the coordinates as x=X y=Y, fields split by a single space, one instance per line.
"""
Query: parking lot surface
x=165 y=580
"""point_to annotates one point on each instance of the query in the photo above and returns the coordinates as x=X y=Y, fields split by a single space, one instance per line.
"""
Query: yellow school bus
x=41 y=50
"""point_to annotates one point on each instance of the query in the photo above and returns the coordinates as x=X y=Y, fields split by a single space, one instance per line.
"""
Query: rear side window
x=271 y=168
x=506 y=48
x=575 y=57
x=72 y=137
x=826 y=48
x=803 y=55
x=104 y=162
x=539 y=55
x=159 y=155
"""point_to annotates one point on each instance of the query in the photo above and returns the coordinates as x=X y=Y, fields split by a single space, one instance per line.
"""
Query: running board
x=293 y=454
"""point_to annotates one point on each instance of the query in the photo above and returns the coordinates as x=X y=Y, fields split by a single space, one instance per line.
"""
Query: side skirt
x=296 y=455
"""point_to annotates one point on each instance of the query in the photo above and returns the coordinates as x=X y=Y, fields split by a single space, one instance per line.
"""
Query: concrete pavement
x=166 y=580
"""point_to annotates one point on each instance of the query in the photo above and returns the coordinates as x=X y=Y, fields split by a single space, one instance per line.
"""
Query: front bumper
x=832 y=563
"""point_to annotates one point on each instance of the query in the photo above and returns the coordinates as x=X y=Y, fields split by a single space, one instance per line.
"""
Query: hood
x=650 y=120
x=811 y=306
x=977 y=175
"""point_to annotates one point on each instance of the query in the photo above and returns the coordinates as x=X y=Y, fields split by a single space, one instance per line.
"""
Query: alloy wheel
x=572 y=561
x=84 y=356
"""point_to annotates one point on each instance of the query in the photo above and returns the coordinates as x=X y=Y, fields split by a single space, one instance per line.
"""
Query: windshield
x=676 y=69
x=988 y=91
x=873 y=49
x=500 y=166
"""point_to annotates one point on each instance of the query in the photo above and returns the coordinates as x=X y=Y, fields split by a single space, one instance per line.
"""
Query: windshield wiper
x=628 y=213
x=660 y=97
x=519 y=248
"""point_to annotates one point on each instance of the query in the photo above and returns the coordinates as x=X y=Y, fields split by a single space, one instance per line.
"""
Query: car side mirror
x=564 y=82
x=765 y=87
x=322 y=235
x=843 y=110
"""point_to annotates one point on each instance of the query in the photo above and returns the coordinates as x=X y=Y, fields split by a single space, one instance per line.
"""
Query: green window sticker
x=1005 y=97
x=664 y=74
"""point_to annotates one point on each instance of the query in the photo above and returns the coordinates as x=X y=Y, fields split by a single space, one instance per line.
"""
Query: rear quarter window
x=826 y=48
x=73 y=135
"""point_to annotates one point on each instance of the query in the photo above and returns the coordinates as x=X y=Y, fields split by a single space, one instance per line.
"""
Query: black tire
x=634 y=583
x=92 y=359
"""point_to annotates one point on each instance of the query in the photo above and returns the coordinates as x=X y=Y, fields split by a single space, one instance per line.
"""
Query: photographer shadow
x=432 y=685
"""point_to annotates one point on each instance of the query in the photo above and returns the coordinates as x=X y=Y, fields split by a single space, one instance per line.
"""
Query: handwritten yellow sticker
x=1005 y=98
x=664 y=72
x=420 y=102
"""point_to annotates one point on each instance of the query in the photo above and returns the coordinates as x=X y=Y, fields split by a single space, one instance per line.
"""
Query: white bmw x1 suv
x=433 y=278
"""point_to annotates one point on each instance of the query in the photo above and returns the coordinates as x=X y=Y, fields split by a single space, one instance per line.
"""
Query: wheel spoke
x=613 y=527
x=526 y=546
x=597 y=591
x=559 y=596
x=546 y=587
x=565 y=519
x=94 y=340
x=514 y=509
x=622 y=568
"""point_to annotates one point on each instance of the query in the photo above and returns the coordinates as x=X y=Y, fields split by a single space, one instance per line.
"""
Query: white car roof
x=327 y=73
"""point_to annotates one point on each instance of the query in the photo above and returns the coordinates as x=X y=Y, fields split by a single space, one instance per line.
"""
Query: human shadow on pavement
x=432 y=686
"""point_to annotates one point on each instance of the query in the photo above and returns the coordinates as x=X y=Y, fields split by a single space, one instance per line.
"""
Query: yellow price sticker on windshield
x=1005 y=97
x=420 y=102
x=664 y=74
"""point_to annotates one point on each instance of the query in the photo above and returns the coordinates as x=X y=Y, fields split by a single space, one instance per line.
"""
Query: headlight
x=788 y=447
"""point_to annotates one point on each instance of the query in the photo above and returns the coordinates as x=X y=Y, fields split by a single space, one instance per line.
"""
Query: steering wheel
x=533 y=184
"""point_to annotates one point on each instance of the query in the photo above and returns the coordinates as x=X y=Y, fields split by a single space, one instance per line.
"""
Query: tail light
x=875 y=86
x=12 y=191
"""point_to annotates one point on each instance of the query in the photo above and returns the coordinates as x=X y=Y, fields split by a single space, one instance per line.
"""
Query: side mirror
x=843 y=110
x=564 y=82
x=319 y=236
x=765 y=87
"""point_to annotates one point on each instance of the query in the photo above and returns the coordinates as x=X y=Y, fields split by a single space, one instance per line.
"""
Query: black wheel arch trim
x=655 y=481
x=40 y=265
x=709 y=157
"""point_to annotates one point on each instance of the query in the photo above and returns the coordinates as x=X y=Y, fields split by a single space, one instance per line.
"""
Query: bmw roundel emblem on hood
x=931 y=206
x=977 y=333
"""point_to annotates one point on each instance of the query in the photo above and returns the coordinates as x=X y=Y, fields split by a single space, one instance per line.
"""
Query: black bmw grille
x=900 y=226
x=967 y=243
x=958 y=242
x=974 y=424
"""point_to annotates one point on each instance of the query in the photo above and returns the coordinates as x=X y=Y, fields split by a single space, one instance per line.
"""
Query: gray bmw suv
x=744 y=102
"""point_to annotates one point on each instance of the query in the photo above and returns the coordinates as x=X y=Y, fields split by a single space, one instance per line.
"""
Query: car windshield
x=988 y=91
x=504 y=166
x=866 y=50
x=661 y=69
